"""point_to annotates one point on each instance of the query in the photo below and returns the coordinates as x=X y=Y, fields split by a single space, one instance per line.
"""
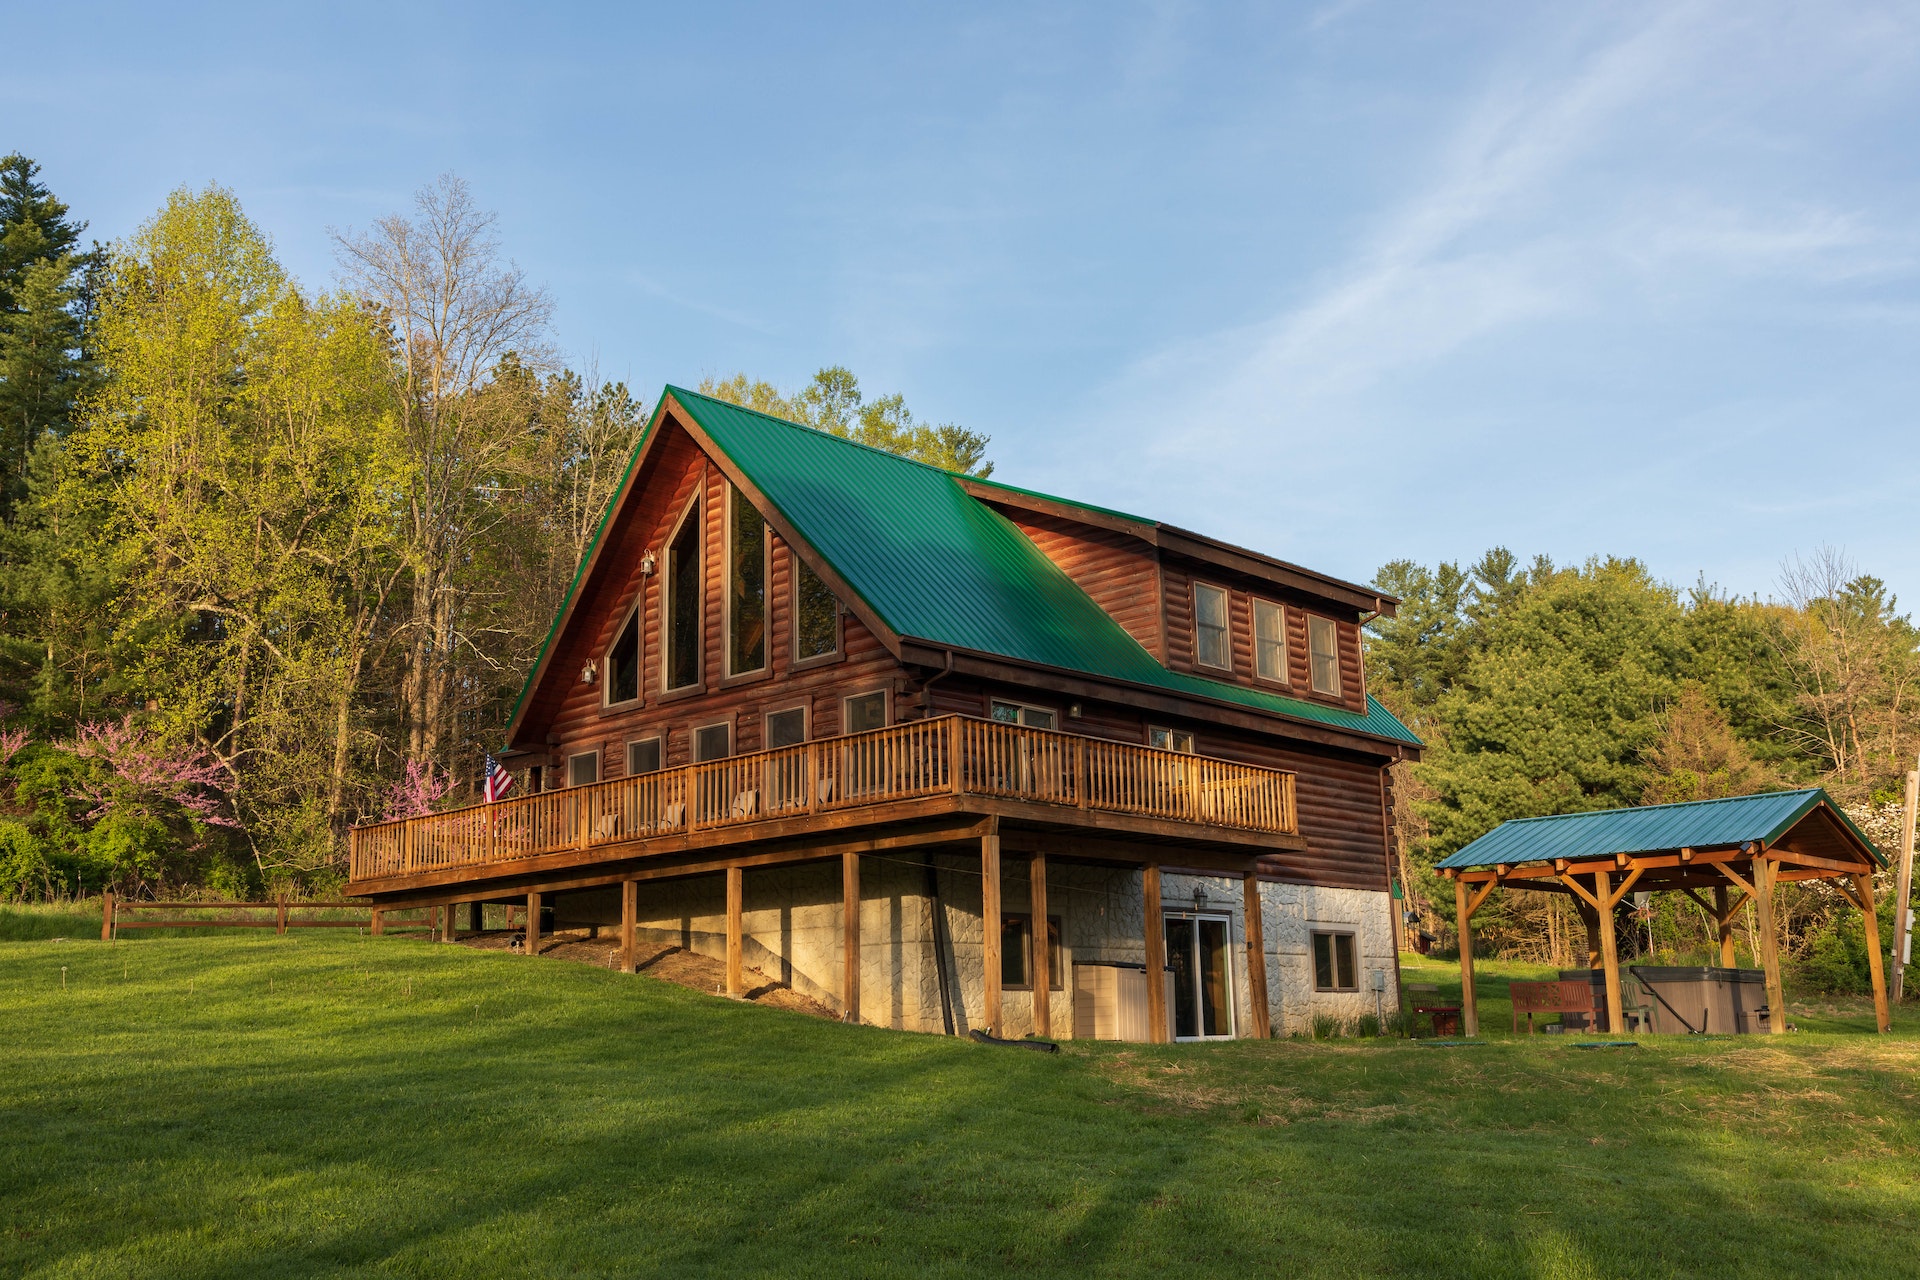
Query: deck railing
x=949 y=754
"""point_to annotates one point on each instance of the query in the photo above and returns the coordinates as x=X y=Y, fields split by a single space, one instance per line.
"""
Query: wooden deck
x=944 y=765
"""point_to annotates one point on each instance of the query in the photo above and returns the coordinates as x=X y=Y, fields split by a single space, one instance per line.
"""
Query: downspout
x=926 y=690
x=938 y=914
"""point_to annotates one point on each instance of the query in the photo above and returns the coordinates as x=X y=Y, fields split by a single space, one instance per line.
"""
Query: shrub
x=1328 y=1026
x=1367 y=1026
x=25 y=870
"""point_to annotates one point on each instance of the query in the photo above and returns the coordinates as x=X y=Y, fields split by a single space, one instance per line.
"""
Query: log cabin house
x=943 y=753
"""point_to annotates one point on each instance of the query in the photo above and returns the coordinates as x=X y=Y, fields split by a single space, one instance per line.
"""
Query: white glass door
x=1200 y=977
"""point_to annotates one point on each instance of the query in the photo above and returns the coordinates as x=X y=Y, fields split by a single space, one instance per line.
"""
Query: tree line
x=275 y=559
x=1543 y=689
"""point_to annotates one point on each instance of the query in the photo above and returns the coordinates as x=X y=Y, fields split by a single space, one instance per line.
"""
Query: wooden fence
x=947 y=755
x=115 y=913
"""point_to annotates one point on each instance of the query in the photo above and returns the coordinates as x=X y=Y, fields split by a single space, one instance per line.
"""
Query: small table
x=1445 y=1019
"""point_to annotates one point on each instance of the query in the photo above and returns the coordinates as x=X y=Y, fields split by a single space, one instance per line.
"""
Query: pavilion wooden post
x=629 y=925
x=990 y=928
x=1870 y=923
x=1042 y=951
x=106 y=916
x=1723 y=917
x=1610 y=952
x=1156 y=940
x=533 y=924
x=1463 y=920
x=1903 y=889
x=1256 y=958
x=736 y=910
x=1591 y=919
x=850 y=942
x=1763 y=873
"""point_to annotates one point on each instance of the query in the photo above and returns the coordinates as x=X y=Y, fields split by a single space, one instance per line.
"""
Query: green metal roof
x=1696 y=824
x=938 y=566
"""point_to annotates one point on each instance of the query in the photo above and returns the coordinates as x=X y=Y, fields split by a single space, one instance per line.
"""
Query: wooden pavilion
x=1739 y=848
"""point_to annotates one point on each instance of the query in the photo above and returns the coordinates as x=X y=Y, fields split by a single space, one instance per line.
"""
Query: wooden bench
x=1561 y=995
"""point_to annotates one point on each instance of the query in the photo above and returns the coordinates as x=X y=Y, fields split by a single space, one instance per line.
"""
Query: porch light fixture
x=646 y=563
x=589 y=673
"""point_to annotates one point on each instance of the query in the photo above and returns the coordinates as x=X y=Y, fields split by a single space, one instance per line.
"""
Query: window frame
x=1023 y=708
x=694 y=507
x=574 y=757
x=1172 y=733
x=1056 y=951
x=734 y=496
x=634 y=619
x=795 y=563
x=766 y=725
x=1333 y=957
x=886 y=709
x=693 y=741
x=1313 y=664
x=1226 y=625
x=660 y=739
x=1285 y=677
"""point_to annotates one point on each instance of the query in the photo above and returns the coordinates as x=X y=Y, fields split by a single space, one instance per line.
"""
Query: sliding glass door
x=1200 y=977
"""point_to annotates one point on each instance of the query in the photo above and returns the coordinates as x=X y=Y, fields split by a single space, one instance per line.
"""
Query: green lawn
x=319 y=1105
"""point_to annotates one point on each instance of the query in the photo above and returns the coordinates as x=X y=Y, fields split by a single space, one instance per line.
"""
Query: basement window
x=1323 y=642
x=1333 y=966
x=1210 y=627
x=1016 y=954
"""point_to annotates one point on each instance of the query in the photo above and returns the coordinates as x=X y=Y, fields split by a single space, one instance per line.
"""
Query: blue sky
x=1345 y=282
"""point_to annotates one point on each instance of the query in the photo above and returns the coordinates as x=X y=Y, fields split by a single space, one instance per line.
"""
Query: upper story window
x=1270 y=641
x=623 y=662
x=746 y=586
x=787 y=728
x=643 y=756
x=1180 y=740
x=713 y=741
x=1210 y=626
x=1323 y=642
x=1020 y=713
x=584 y=769
x=683 y=602
x=816 y=615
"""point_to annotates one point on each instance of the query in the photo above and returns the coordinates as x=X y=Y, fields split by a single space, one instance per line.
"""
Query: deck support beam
x=1156 y=948
x=850 y=941
x=533 y=924
x=1256 y=930
x=450 y=922
x=1042 y=947
x=1764 y=872
x=736 y=911
x=629 y=926
x=990 y=926
x=1723 y=921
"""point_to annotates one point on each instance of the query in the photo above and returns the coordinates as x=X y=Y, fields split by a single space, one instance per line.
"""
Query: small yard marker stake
x=63 y=977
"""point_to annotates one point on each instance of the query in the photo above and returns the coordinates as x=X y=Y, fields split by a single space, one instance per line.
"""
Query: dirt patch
x=664 y=961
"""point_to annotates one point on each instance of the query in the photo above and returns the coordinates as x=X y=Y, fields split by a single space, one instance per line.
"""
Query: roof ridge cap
x=819 y=431
x=1668 y=804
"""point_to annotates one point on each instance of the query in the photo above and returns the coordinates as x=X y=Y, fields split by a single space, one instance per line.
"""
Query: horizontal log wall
x=1120 y=573
x=1179 y=578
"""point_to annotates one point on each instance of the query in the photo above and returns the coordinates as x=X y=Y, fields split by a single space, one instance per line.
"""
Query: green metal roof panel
x=938 y=566
x=1695 y=824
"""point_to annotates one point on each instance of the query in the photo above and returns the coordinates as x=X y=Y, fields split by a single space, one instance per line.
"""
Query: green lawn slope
x=259 y=1106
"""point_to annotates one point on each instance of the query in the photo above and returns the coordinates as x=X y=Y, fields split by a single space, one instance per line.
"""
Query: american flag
x=499 y=781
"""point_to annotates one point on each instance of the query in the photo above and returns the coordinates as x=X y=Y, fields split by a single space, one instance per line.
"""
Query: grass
x=327 y=1105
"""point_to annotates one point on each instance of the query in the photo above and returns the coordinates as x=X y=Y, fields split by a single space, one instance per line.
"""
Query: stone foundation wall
x=792 y=933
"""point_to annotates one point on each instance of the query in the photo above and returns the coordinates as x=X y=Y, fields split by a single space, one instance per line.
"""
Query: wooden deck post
x=1257 y=958
x=1876 y=965
x=450 y=922
x=378 y=925
x=736 y=910
x=106 y=916
x=629 y=925
x=1763 y=872
x=1042 y=951
x=1463 y=925
x=990 y=935
x=533 y=924
x=1724 y=918
x=1156 y=940
x=1610 y=952
x=850 y=941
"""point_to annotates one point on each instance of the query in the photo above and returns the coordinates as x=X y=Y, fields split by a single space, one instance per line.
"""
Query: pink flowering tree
x=419 y=789
x=136 y=775
x=11 y=740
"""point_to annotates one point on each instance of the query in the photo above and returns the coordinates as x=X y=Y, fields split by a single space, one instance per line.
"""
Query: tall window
x=683 y=602
x=1210 y=626
x=1323 y=640
x=816 y=615
x=1270 y=641
x=1333 y=966
x=746 y=586
x=623 y=662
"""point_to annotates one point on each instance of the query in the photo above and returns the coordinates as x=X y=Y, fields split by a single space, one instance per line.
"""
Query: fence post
x=106 y=915
x=280 y=917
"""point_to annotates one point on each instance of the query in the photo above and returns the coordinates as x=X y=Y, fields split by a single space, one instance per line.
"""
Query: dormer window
x=1270 y=641
x=1210 y=627
x=1323 y=642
